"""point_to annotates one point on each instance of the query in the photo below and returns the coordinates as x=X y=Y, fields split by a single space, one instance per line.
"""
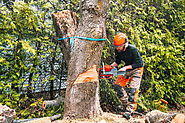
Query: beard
x=120 y=49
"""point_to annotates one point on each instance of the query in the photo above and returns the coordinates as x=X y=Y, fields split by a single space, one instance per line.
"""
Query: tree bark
x=156 y=116
x=7 y=115
x=50 y=103
x=82 y=93
x=65 y=24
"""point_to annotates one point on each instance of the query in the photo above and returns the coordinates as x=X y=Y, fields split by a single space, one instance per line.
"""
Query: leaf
x=25 y=85
x=34 y=104
x=2 y=59
x=1 y=97
x=52 y=77
x=28 y=48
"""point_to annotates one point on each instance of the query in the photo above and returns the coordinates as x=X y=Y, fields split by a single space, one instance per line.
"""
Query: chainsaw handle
x=101 y=74
x=121 y=73
x=164 y=101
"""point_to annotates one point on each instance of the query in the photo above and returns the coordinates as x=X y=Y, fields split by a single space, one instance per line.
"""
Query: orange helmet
x=120 y=39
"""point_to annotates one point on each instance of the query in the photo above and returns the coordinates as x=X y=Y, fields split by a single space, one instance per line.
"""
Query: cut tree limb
x=6 y=114
x=50 y=103
x=179 y=118
x=39 y=120
x=157 y=116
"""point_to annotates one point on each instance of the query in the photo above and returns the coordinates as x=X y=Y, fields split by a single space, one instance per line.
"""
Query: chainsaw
x=107 y=71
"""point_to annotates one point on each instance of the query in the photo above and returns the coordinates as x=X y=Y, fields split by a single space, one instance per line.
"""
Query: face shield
x=121 y=47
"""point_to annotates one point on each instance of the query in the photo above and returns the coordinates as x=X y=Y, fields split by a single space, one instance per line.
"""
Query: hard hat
x=120 y=39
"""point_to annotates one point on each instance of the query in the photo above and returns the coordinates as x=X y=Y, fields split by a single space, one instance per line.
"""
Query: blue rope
x=85 y=38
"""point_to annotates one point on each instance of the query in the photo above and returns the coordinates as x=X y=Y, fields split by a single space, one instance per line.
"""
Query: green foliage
x=156 y=28
x=28 y=51
x=108 y=95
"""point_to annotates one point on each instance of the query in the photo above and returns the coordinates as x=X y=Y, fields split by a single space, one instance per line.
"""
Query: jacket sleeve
x=118 y=60
x=138 y=62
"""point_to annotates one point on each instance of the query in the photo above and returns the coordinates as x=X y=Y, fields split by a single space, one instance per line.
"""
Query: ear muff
x=117 y=33
x=126 y=39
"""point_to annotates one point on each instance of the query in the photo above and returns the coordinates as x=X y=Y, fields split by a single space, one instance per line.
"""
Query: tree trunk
x=82 y=93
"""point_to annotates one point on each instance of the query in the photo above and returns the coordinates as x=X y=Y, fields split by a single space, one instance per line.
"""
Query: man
x=134 y=70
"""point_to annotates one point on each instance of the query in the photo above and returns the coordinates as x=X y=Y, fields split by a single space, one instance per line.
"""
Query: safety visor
x=120 y=46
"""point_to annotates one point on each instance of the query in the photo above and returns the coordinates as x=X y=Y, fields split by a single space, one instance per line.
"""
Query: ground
x=106 y=118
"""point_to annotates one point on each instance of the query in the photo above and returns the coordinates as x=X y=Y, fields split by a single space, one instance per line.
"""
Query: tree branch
x=65 y=24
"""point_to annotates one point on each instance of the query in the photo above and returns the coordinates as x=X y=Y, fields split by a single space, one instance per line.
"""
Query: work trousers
x=129 y=88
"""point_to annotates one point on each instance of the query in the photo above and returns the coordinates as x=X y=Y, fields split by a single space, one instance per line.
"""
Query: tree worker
x=134 y=70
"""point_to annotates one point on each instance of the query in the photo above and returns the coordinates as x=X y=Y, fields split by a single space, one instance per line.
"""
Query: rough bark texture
x=65 y=24
x=6 y=114
x=50 y=103
x=157 y=116
x=82 y=98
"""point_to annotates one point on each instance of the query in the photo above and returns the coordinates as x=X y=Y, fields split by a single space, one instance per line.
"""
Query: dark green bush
x=156 y=29
x=28 y=49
